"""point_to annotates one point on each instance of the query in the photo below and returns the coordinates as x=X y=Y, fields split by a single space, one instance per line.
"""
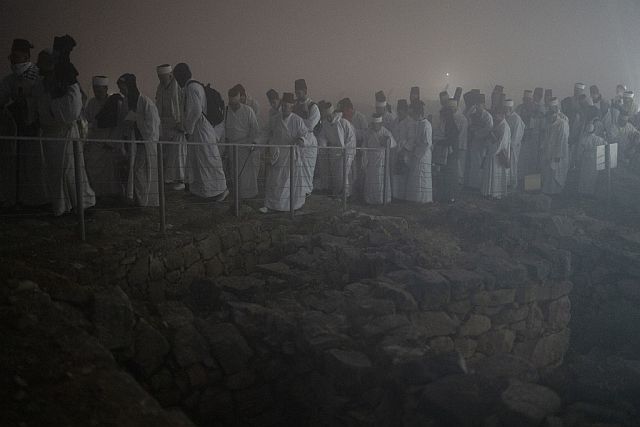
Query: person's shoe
x=178 y=187
x=263 y=210
x=222 y=196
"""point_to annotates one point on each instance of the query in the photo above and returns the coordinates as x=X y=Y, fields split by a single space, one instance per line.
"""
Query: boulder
x=151 y=347
x=188 y=346
x=532 y=402
x=463 y=282
x=347 y=368
x=506 y=366
x=433 y=323
x=227 y=345
x=113 y=318
x=475 y=325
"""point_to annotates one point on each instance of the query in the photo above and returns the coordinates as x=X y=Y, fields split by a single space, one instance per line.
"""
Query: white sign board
x=612 y=155
x=600 y=157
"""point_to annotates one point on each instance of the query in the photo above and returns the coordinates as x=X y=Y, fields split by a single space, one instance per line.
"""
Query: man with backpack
x=204 y=173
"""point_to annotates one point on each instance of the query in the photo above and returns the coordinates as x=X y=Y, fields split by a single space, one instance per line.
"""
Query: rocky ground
x=519 y=312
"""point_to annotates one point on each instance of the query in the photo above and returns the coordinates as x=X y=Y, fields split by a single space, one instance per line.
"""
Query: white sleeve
x=193 y=106
x=68 y=108
x=314 y=117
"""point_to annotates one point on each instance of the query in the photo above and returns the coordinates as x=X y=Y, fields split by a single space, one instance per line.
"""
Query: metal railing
x=233 y=156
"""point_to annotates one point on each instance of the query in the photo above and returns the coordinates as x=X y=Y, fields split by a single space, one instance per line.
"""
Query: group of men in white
x=335 y=148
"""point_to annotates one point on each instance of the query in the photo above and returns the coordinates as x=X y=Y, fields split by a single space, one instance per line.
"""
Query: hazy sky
x=345 y=48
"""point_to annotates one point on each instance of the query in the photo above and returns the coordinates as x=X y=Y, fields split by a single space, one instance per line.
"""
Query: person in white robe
x=103 y=159
x=286 y=129
x=205 y=174
x=555 y=151
x=480 y=126
x=241 y=127
x=361 y=126
x=384 y=109
x=403 y=131
x=170 y=104
x=419 y=187
x=450 y=141
x=585 y=156
x=17 y=110
x=516 y=126
x=58 y=114
x=496 y=162
x=142 y=123
x=247 y=100
x=532 y=114
x=622 y=133
x=274 y=104
x=308 y=110
x=336 y=133
x=376 y=174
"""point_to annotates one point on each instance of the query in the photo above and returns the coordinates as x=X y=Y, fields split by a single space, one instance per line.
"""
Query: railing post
x=236 y=179
x=163 y=219
x=344 y=178
x=387 y=176
x=291 y=179
x=79 y=188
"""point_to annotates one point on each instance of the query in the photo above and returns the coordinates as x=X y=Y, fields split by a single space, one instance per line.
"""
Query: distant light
x=446 y=74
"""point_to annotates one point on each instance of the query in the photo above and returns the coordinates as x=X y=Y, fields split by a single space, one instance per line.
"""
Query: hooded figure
x=142 y=123
x=58 y=118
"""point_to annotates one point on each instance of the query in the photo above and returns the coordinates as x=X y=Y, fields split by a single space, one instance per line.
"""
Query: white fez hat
x=554 y=102
x=628 y=94
x=100 y=81
x=581 y=86
x=508 y=103
x=381 y=104
x=376 y=118
x=164 y=69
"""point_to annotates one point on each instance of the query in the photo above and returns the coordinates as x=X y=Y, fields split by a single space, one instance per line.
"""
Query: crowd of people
x=399 y=153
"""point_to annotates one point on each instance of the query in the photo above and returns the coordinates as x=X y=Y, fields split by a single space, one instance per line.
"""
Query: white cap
x=581 y=86
x=376 y=119
x=381 y=104
x=554 y=102
x=164 y=69
x=628 y=94
x=100 y=81
x=508 y=103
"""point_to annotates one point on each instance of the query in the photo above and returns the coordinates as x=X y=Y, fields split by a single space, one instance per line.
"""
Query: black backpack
x=215 y=104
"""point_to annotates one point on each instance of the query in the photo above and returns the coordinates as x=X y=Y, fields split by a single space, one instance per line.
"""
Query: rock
x=460 y=308
x=156 y=268
x=245 y=287
x=113 y=318
x=462 y=282
x=156 y=291
x=227 y=345
x=139 y=272
x=381 y=325
x=150 y=348
x=442 y=345
x=533 y=202
x=191 y=255
x=347 y=368
x=497 y=341
x=511 y=315
x=209 y=247
x=466 y=347
x=506 y=273
x=242 y=379
x=560 y=259
x=175 y=314
x=475 y=325
x=230 y=239
x=494 y=298
x=537 y=268
x=188 y=346
x=430 y=289
x=395 y=292
x=214 y=267
x=174 y=260
x=506 y=366
x=197 y=375
x=548 y=351
x=533 y=402
x=433 y=323
x=204 y=295
x=560 y=289
x=561 y=226
x=216 y=403
x=374 y=307
x=559 y=314
x=428 y=368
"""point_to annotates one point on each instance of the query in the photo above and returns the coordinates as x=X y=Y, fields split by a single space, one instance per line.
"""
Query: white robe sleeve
x=68 y=108
x=314 y=117
x=254 y=128
x=148 y=120
x=193 y=106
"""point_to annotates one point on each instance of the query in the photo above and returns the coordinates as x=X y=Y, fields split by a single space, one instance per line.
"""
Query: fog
x=345 y=48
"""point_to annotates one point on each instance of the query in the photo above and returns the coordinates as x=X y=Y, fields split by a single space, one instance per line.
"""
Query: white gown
x=586 y=163
x=338 y=133
x=285 y=131
x=419 y=187
x=404 y=133
x=170 y=104
x=480 y=126
x=374 y=167
x=241 y=127
x=309 y=153
x=58 y=119
x=555 y=146
x=204 y=165
x=516 y=126
x=495 y=175
x=142 y=183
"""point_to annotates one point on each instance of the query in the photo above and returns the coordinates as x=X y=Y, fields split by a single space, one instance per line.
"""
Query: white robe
x=58 y=119
x=142 y=183
x=338 y=133
x=241 y=127
x=495 y=175
x=419 y=184
x=309 y=153
x=623 y=136
x=480 y=125
x=170 y=104
x=586 y=163
x=516 y=126
x=285 y=131
x=463 y=125
x=205 y=174
x=361 y=126
x=374 y=167
x=103 y=159
x=529 y=159
x=404 y=133
x=555 y=146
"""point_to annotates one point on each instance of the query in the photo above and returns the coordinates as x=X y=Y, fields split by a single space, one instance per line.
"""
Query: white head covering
x=628 y=94
x=381 y=104
x=164 y=69
x=581 y=86
x=100 y=81
x=554 y=102
x=508 y=103
x=376 y=119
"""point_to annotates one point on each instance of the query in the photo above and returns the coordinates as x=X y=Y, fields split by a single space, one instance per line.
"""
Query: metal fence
x=20 y=154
